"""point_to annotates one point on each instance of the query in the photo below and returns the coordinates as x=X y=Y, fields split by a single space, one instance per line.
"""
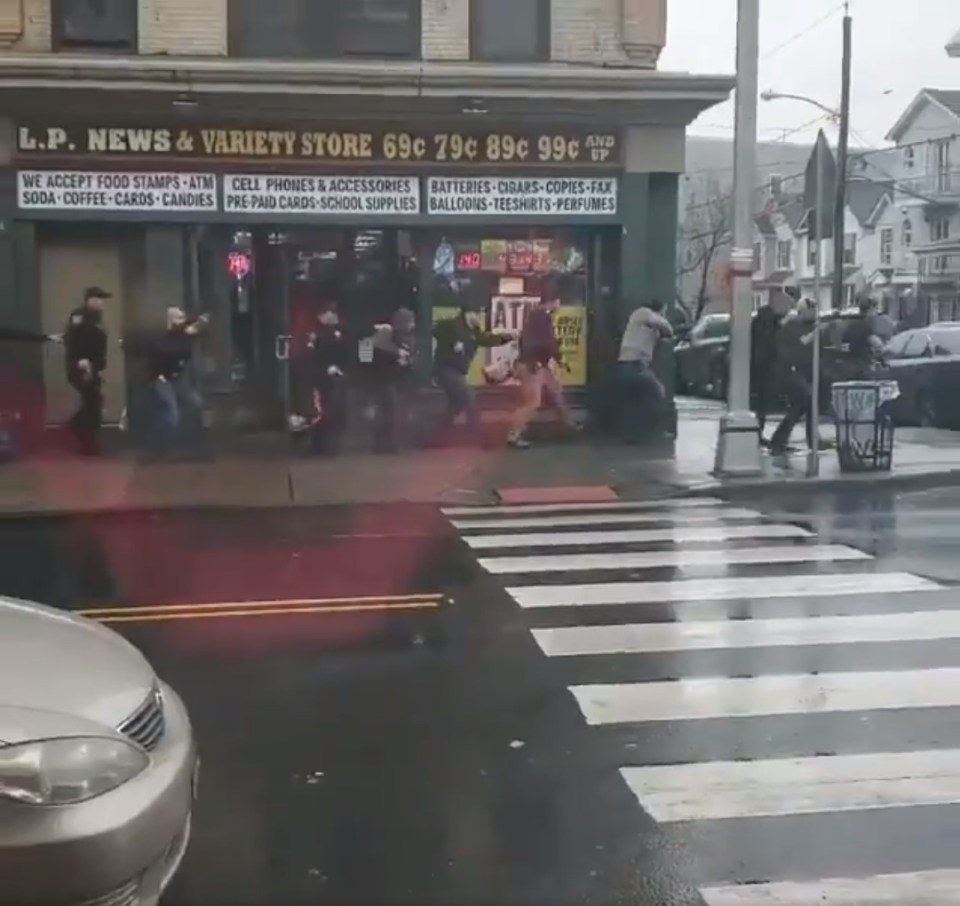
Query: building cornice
x=398 y=78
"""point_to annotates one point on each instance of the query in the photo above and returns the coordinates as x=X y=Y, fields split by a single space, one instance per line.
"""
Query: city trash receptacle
x=864 y=426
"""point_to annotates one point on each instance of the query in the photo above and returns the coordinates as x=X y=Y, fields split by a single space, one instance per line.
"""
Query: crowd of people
x=169 y=406
x=782 y=364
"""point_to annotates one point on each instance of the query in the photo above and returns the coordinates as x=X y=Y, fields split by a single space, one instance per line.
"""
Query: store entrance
x=272 y=285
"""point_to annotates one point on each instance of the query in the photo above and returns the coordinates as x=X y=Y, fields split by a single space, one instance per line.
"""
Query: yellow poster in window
x=506 y=315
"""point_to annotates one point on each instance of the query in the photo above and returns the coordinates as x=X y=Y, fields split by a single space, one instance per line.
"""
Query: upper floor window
x=909 y=157
x=757 y=256
x=907 y=234
x=849 y=248
x=324 y=29
x=812 y=249
x=510 y=30
x=886 y=246
x=940 y=230
x=784 y=255
x=104 y=25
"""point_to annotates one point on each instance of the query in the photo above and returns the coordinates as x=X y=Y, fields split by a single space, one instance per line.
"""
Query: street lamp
x=769 y=95
x=738 y=443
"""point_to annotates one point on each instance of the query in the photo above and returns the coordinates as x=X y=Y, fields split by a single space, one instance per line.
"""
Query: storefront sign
x=67 y=190
x=491 y=196
x=330 y=196
x=511 y=147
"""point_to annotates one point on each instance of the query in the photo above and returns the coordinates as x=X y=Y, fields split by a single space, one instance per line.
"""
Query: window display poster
x=507 y=314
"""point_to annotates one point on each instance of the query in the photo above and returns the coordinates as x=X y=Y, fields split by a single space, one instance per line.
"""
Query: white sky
x=898 y=47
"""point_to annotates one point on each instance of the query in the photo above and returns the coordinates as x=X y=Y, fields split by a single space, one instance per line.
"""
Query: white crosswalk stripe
x=700 y=616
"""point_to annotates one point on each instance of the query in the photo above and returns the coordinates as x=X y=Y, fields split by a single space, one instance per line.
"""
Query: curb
x=893 y=480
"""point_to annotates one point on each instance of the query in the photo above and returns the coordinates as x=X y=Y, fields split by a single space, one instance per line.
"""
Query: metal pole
x=813 y=459
x=843 y=142
x=738 y=444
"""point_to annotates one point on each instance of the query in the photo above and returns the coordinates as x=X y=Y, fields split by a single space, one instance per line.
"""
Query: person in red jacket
x=537 y=363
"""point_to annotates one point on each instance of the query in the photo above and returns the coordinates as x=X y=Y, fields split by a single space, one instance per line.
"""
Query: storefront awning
x=33 y=83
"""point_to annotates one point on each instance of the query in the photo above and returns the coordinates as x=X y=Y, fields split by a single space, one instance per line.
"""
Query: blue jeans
x=460 y=399
x=176 y=415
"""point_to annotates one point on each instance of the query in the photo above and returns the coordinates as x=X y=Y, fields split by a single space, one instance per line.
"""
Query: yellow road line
x=132 y=614
x=384 y=602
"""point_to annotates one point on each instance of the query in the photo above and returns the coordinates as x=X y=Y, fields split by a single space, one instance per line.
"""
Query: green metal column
x=635 y=219
x=662 y=238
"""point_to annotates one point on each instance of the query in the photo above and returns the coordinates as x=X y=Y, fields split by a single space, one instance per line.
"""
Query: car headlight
x=69 y=770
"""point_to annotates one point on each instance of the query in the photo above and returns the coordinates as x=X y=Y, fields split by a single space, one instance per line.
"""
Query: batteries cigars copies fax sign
x=551 y=196
x=67 y=190
x=322 y=195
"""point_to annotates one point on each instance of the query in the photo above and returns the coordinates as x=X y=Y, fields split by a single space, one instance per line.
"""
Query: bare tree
x=705 y=234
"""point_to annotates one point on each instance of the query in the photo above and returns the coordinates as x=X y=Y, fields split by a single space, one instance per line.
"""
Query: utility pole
x=843 y=143
x=738 y=444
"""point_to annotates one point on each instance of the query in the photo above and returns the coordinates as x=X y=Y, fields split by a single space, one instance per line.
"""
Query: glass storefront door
x=269 y=285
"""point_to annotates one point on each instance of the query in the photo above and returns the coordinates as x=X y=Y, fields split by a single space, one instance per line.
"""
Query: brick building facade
x=323 y=148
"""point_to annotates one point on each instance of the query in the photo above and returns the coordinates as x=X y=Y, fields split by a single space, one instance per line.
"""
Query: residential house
x=705 y=212
x=927 y=173
x=775 y=250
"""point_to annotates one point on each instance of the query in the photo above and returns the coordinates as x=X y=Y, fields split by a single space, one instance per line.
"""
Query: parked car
x=98 y=767
x=703 y=360
x=925 y=362
x=702 y=357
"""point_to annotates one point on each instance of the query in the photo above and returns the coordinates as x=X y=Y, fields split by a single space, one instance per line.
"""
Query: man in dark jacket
x=331 y=357
x=394 y=349
x=860 y=342
x=795 y=364
x=167 y=360
x=539 y=356
x=85 y=341
x=458 y=340
x=763 y=360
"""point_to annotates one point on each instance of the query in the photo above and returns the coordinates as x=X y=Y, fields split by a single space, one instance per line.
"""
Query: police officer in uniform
x=85 y=341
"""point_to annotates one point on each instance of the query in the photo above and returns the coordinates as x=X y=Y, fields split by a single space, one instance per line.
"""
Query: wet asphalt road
x=435 y=755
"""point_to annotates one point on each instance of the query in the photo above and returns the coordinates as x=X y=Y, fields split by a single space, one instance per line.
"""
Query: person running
x=394 y=347
x=458 y=340
x=795 y=358
x=763 y=363
x=178 y=405
x=638 y=387
x=85 y=342
x=331 y=356
x=537 y=362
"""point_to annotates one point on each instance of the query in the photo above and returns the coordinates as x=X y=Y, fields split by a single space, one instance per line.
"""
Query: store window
x=503 y=276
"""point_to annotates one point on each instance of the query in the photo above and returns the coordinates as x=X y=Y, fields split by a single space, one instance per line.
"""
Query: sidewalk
x=447 y=476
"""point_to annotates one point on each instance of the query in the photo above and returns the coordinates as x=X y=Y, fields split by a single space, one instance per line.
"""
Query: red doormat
x=585 y=493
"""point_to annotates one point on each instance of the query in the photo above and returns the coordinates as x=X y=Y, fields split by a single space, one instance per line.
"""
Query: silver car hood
x=53 y=663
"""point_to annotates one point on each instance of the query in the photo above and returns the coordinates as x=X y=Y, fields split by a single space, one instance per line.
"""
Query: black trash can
x=864 y=426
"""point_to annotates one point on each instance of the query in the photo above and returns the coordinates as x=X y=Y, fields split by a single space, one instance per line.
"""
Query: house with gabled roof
x=927 y=174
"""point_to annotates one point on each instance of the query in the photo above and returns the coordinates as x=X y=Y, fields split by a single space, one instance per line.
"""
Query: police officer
x=85 y=340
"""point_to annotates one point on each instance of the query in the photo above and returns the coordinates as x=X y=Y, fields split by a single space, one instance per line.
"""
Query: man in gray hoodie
x=638 y=387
